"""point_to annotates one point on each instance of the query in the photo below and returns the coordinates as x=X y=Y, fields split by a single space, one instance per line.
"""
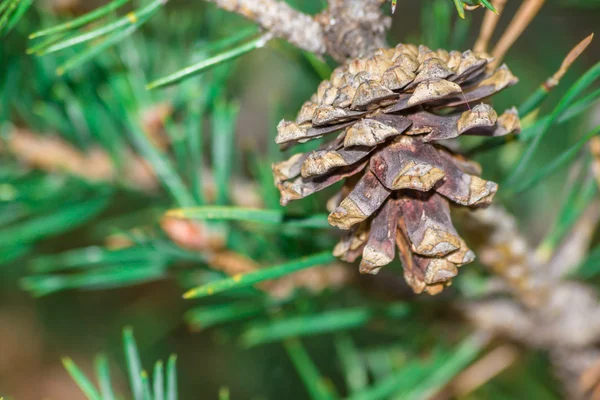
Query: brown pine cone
x=393 y=110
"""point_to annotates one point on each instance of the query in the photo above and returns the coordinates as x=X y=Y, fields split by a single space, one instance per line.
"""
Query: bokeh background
x=266 y=85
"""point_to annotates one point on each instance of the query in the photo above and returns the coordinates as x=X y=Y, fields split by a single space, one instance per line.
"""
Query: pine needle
x=537 y=97
x=81 y=21
x=522 y=19
x=86 y=386
x=158 y=381
x=239 y=281
x=209 y=63
x=134 y=365
x=103 y=373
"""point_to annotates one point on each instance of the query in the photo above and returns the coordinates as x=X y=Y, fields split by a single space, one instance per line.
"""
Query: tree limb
x=283 y=21
x=346 y=29
x=557 y=315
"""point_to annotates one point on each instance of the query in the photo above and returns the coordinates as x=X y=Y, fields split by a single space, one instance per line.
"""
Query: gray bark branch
x=551 y=313
x=346 y=29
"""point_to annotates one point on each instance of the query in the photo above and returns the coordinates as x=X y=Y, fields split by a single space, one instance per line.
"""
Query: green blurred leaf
x=223 y=141
x=582 y=83
x=307 y=370
x=103 y=278
x=209 y=63
x=325 y=322
x=158 y=380
x=146 y=385
x=354 y=367
x=252 y=278
x=272 y=217
x=124 y=24
x=83 y=20
x=134 y=365
x=207 y=316
x=559 y=162
x=94 y=255
x=448 y=367
x=172 y=393
x=579 y=197
x=103 y=373
x=54 y=223
x=590 y=267
x=81 y=380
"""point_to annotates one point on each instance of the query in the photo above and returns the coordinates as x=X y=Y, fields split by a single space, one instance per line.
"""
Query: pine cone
x=393 y=110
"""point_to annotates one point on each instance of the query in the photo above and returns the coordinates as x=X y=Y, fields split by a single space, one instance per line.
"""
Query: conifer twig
x=346 y=29
x=490 y=20
x=551 y=313
x=519 y=23
x=484 y=369
x=280 y=19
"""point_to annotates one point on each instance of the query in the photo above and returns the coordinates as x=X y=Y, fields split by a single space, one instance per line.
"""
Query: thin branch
x=283 y=21
x=521 y=20
x=346 y=29
x=485 y=369
x=554 y=80
x=490 y=20
x=354 y=28
x=557 y=315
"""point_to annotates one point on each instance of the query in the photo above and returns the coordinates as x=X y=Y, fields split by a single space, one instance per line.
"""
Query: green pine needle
x=206 y=316
x=134 y=365
x=103 y=373
x=224 y=393
x=139 y=379
x=559 y=162
x=86 y=386
x=448 y=367
x=352 y=363
x=324 y=322
x=172 y=392
x=13 y=15
x=310 y=375
x=577 y=201
x=54 y=223
x=239 y=281
x=209 y=63
x=147 y=393
x=158 y=381
x=240 y=214
x=81 y=21
x=590 y=267
x=132 y=19
x=582 y=83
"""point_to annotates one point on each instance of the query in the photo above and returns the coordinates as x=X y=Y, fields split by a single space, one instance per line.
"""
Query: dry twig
x=490 y=20
x=517 y=26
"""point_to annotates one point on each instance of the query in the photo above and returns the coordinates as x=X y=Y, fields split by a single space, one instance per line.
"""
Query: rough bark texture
x=346 y=29
x=354 y=28
x=282 y=20
x=551 y=313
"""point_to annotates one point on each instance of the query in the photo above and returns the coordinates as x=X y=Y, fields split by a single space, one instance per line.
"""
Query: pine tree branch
x=547 y=312
x=283 y=21
x=354 y=28
x=346 y=29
